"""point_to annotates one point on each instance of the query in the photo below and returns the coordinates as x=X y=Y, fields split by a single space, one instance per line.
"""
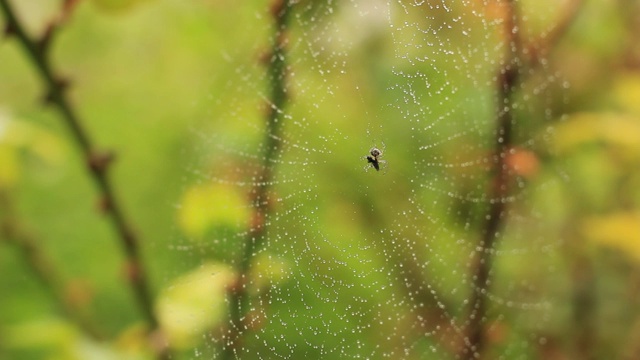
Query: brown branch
x=510 y=77
x=97 y=162
x=277 y=75
x=44 y=269
x=507 y=81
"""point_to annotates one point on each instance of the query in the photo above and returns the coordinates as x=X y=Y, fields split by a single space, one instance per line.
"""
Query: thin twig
x=277 y=75
x=511 y=75
x=540 y=47
x=97 y=162
x=508 y=79
x=43 y=269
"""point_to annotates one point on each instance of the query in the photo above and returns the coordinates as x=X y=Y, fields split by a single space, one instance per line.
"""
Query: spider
x=374 y=158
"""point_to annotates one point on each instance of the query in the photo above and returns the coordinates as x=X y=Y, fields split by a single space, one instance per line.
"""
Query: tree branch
x=97 y=162
x=507 y=81
x=277 y=75
x=509 y=78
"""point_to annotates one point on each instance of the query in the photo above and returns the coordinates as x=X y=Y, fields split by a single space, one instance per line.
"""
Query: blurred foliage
x=196 y=215
x=194 y=304
x=170 y=85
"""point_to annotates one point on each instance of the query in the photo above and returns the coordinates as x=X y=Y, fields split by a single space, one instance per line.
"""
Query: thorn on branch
x=44 y=42
x=130 y=238
x=158 y=341
x=67 y=9
x=236 y=286
x=264 y=57
x=62 y=84
x=9 y=30
x=283 y=39
x=132 y=271
x=277 y=8
x=257 y=220
x=99 y=161
x=104 y=205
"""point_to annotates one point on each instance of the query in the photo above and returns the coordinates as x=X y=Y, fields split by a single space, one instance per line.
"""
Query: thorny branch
x=277 y=75
x=97 y=162
x=509 y=79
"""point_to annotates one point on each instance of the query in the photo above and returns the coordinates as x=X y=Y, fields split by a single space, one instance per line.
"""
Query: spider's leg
x=368 y=165
x=383 y=165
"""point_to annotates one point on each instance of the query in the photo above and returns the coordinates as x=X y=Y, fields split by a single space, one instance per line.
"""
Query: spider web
x=366 y=264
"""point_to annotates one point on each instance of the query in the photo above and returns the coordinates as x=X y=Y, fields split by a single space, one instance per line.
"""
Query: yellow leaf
x=9 y=167
x=194 y=303
x=61 y=340
x=620 y=130
x=626 y=92
x=16 y=136
x=205 y=206
x=44 y=332
x=133 y=339
x=620 y=231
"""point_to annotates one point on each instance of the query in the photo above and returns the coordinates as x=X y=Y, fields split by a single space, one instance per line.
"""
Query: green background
x=177 y=89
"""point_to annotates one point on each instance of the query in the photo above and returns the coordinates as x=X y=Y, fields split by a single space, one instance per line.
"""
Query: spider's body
x=374 y=158
x=374 y=162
